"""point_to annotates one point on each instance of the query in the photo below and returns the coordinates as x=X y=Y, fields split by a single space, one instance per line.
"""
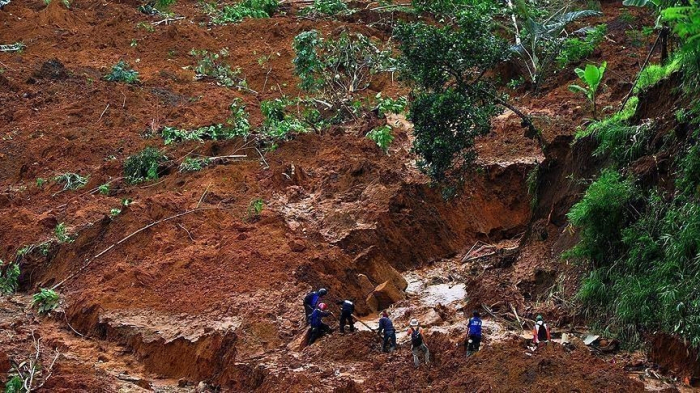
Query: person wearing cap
x=318 y=328
x=418 y=345
x=474 y=335
x=387 y=327
x=541 y=332
x=311 y=300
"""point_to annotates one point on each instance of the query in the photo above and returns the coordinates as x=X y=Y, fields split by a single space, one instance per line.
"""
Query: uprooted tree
x=454 y=98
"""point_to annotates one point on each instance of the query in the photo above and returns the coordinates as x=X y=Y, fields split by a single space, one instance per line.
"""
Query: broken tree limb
x=108 y=249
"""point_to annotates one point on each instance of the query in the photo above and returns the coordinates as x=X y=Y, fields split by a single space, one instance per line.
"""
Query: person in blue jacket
x=385 y=326
x=474 y=335
x=318 y=328
x=311 y=301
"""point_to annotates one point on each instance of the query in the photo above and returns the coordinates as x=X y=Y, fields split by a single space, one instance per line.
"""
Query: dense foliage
x=644 y=240
x=454 y=101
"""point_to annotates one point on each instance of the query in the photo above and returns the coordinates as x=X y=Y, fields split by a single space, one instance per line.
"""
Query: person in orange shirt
x=418 y=343
x=541 y=332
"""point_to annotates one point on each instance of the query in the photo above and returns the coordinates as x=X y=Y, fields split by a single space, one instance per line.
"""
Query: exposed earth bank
x=188 y=288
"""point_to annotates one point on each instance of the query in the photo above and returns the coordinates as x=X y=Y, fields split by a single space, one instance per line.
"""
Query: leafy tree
x=454 y=100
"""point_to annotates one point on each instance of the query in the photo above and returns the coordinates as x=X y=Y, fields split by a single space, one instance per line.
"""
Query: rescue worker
x=318 y=328
x=418 y=343
x=311 y=300
x=387 y=327
x=347 y=308
x=541 y=332
x=474 y=335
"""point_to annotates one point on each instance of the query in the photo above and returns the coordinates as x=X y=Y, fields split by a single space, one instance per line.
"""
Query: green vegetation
x=643 y=240
x=382 y=136
x=454 y=102
x=591 y=76
x=9 y=273
x=46 y=300
x=576 y=49
x=113 y=212
x=71 y=181
x=103 y=189
x=337 y=68
x=255 y=207
x=14 y=385
x=143 y=166
x=389 y=105
x=62 y=234
x=237 y=125
x=279 y=122
x=245 y=9
x=321 y=8
x=211 y=66
x=653 y=73
x=540 y=38
x=40 y=181
x=191 y=164
x=122 y=73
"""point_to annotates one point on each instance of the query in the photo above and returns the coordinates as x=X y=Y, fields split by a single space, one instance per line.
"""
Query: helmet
x=385 y=314
x=322 y=306
x=476 y=314
x=322 y=291
x=539 y=318
x=414 y=322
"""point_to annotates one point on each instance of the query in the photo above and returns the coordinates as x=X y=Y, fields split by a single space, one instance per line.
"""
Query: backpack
x=416 y=338
x=542 y=332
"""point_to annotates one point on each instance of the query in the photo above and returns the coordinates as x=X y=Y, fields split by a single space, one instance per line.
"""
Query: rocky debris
x=384 y=295
x=365 y=284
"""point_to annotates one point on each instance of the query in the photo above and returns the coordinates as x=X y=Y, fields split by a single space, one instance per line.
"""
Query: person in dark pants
x=311 y=300
x=474 y=335
x=347 y=308
x=385 y=326
x=318 y=328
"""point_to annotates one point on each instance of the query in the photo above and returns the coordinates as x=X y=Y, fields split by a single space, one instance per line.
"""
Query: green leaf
x=641 y=3
x=578 y=89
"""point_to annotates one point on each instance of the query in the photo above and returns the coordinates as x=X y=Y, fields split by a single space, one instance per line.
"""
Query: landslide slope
x=187 y=282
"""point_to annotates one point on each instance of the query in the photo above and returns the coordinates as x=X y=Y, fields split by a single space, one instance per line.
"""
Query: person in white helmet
x=418 y=344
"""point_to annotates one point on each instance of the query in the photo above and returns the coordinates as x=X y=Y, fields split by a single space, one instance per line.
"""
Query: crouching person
x=318 y=328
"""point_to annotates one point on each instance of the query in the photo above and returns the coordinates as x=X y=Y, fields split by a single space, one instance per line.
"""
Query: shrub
x=576 y=49
x=143 y=166
x=601 y=215
x=325 y=8
x=193 y=164
x=338 y=67
x=389 y=105
x=382 y=136
x=211 y=66
x=71 y=181
x=46 y=300
x=8 y=277
x=279 y=123
x=122 y=73
x=237 y=125
x=103 y=189
x=62 y=234
x=255 y=207
x=653 y=73
x=235 y=13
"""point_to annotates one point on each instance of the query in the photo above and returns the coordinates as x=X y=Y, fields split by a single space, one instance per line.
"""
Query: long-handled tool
x=360 y=321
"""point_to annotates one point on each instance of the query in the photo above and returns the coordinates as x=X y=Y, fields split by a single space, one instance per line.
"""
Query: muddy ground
x=211 y=298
